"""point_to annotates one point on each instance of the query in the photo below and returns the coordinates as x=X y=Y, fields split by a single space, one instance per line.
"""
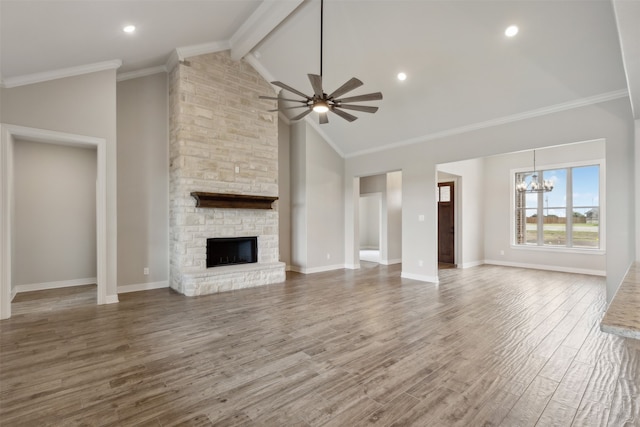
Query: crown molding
x=578 y=103
x=179 y=54
x=28 y=79
x=257 y=65
x=201 y=49
x=172 y=61
x=141 y=73
x=262 y=21
x=283 y=117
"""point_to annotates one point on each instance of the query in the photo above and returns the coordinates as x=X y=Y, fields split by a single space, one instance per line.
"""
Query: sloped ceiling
x=463 y=73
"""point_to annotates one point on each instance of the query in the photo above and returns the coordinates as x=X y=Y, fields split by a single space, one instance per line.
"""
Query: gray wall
x=298 y=187
x=394 y=218
x=143 y=180
x=498 y=209
x=389 y=186
x=470 y=193
x=373 y=213
x=611 y=120
x=370 y=212
x=54 y=235
x=325 y=176
x=83 y=105
x=317 y=203
x=284 y=191
x=637 y=192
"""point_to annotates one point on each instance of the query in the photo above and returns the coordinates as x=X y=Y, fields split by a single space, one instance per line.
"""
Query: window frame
x=569 y=205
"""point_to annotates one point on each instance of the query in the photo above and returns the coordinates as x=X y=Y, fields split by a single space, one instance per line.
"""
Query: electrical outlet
x=420 y=263
x=237 y=169
x=328 y=256
x=146 y=271
x=502 y=252
x=421 y=218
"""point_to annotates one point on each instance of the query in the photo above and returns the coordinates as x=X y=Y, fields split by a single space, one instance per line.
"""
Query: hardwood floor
x=487 y=346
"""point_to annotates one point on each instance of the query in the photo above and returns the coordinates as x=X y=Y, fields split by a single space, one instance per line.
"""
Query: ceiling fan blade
x=282 y=99
x=352 y=84
x=376 y=96
x=299 y=116
x=287 y=108
x=290 y=89
x=323 y=118
x=348 y=117
x=364 y=108
x=316 y=84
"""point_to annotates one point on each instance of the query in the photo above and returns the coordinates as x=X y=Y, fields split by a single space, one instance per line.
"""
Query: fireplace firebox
x=231 y=250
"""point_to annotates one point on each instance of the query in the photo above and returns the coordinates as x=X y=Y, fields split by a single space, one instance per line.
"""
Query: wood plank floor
x=488 y=346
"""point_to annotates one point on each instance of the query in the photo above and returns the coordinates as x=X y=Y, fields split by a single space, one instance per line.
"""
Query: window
x=568 y=216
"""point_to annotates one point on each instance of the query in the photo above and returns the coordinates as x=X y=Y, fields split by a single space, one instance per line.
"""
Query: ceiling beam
x=262 y=21
x=627 y=17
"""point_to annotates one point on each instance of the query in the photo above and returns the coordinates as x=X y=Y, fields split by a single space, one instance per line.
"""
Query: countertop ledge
x=623 y=315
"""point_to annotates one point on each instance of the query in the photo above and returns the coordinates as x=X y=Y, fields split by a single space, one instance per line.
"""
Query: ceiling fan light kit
x=322 y=103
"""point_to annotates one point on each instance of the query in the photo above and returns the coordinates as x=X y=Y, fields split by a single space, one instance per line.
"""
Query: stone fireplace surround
x=222 y=140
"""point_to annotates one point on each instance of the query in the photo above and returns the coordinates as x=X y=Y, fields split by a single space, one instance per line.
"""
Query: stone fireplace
x=222 y=141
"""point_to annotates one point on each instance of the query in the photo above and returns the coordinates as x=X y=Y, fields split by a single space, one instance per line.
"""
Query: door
x=446 y=229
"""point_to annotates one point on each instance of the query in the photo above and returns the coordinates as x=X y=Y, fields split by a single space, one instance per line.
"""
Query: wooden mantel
x=232 y=201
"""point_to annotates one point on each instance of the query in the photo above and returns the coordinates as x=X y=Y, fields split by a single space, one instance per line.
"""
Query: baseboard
x=317 y=269
x=123 y=289
x=470 y=264
x=111 y=299
x=390 y=261
x=54 y=285
x=14 y=292
x=420 y=277
x=352 y=266
x=547 y=267
x=369 y=248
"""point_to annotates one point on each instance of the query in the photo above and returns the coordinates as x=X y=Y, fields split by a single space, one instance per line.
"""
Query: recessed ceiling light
x=511 y=31
x=402 y=76
x=129 y=28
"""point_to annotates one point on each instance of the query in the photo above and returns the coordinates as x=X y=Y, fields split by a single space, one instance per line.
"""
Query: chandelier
x=535 y=186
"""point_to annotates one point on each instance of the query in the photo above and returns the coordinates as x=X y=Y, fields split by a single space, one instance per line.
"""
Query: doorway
x=446 y=224
x=370 y=227
x=8 y=135
x=377 y=222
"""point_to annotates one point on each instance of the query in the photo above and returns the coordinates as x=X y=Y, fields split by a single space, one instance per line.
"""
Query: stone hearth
x=222 y=140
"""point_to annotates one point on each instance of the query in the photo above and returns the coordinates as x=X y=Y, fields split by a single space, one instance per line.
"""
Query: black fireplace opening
x=231 y=250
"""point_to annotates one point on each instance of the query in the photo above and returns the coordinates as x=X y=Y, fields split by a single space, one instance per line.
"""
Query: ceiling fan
x=322 y=103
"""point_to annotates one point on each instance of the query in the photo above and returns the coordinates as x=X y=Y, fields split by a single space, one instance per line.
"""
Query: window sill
x=559 y=250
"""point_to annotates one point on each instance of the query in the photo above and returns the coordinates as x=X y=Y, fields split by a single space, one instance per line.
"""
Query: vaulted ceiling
x=463 y=72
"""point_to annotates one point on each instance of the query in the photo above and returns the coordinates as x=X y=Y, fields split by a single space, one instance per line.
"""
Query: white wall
x=143 y=182
x=81 y=105
x=470 y=210
x=284 y=191
x=499 y=210
x=611 y=120
x=370 y=206
x=54 y=235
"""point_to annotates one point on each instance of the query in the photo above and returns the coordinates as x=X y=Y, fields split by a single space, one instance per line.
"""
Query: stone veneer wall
x=218 y=124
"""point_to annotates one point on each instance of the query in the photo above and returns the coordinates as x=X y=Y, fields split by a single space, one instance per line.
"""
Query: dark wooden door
x=446 y=229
